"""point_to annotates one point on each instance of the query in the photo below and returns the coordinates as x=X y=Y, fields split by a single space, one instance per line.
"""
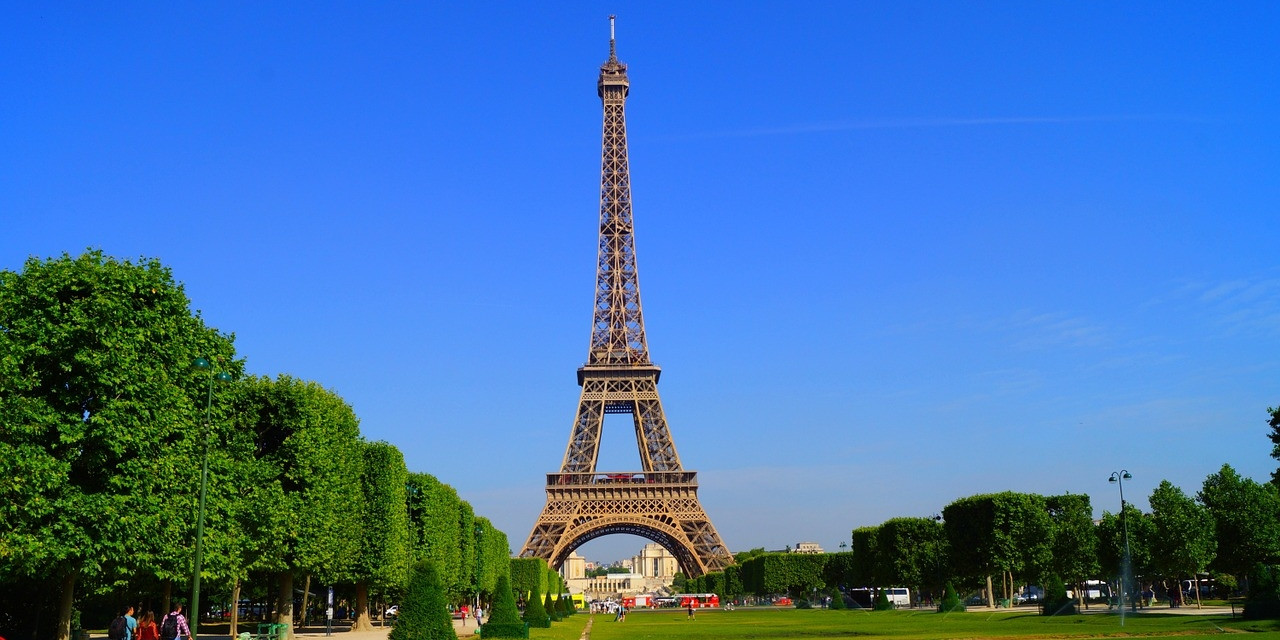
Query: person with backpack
x=174 y=625
x=122 y=627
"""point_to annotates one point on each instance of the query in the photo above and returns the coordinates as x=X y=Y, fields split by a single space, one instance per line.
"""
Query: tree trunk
x=64 y=607
x=363 y=623
x=168 y=597
x=306 y=595
x=1196 y=577
x=284 y=606
x=991 y=594
x=235 y=607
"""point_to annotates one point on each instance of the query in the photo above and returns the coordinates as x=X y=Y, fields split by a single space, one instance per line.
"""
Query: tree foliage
x=793 y=573
x=864 y=561
x=1074 y=556
x=1111 y=536
x=1184 y=543
x=535 y=612
x=528 y=575
x=101 y=411
x=1246 y=516
x=1274 y=436
x=910 y=552
x=999 y=533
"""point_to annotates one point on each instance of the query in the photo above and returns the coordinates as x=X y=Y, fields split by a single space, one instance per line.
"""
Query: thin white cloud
x=925 y=123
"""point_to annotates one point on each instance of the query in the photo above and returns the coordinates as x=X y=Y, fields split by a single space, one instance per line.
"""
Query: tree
x=493 y=556
x=101 y=411
x=1005 y=532
x=1246 y=518
x=425 y=612
x=678 y=582
x=535 y=612
x=310 y=437
x=504 y=620
x=1184 y=542
x=435 y=517
x=910 y=552
x=1111 y=543
x=528 y=575
x=862 y=570
x=383 y=557
x=1075 y=543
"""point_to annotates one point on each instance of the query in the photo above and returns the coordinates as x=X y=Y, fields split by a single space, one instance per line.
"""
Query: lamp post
x=222 y=376
x=1118 y=478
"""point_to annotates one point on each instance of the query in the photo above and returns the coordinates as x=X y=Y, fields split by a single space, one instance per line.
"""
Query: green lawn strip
x=568 y=629
x=785 y=624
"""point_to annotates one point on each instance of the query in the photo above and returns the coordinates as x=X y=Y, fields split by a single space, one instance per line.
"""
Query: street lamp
x=222 y=376
x=1118 y=478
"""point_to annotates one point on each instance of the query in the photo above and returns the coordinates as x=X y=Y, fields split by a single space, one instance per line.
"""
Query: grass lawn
x=783 y=624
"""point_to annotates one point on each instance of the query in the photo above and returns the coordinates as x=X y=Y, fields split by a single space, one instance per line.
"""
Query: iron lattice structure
x=659 y=502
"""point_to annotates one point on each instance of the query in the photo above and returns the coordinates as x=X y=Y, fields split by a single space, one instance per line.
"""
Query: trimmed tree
x=950 y=600
x=535 y=613
x=425 y=612
x=504 y=620
x=549 y=605
x=1183 y=544
x=383 y=559
x=1246 y=516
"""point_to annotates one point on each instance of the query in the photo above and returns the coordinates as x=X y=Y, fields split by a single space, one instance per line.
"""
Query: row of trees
x=1230 y=527
x=103 y=435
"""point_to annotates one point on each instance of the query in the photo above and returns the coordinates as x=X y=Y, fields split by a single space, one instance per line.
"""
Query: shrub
x=424 y=614
x=803 y=603
x=1264 y=593
x=837 y=600
x=882 y=601
x=504 y=618
x=534 y=613
x=549 y=606
x=950 y=601
x=562 y=609
x=1055 y=598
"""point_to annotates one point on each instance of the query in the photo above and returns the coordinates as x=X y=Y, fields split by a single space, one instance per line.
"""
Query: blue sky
x=891 y=254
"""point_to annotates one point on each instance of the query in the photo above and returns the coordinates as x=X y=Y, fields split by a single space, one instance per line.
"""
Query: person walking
x=174 y=625
x=690 y=610
x=147 y=629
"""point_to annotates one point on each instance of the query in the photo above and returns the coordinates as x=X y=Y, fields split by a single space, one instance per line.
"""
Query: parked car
x=392 y=611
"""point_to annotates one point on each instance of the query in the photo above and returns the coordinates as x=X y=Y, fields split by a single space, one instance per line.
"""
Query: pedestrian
x=479 y=615
x=690 y=610
x=174 y=625
x=131 y=624
x=147 y=629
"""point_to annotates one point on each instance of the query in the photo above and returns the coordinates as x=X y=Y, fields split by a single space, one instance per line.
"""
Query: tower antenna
x=613 y=52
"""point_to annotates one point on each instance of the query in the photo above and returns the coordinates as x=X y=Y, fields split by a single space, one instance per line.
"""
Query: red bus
x=698 y=600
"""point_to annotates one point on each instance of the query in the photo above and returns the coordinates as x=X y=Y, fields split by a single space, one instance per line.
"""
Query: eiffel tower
x=660 y=501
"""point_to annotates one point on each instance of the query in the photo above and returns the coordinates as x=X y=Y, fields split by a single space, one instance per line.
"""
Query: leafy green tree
x=504 y=620
x=838 y=569
x=742 y=557
x=837 y=599
x=1184 y=542
x=435 y=518
x=1005 y=533
x=528 y=575
x=796 y=574
x=383 y=557
x=911 y=551
x=310 y=437
x=1246 y=518
x=1075 y=543
x=1264 y=594
x=1111 y=536
x=424 y=615
x=733 y=587
x=864 y=562
x=493 y=556
x=101 y=412
x=464 y=581
x=678 y=582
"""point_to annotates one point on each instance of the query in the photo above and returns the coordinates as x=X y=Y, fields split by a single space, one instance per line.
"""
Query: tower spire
x=613 y=50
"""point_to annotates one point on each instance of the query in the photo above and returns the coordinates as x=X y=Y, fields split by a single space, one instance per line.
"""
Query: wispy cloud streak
x=926 y=123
